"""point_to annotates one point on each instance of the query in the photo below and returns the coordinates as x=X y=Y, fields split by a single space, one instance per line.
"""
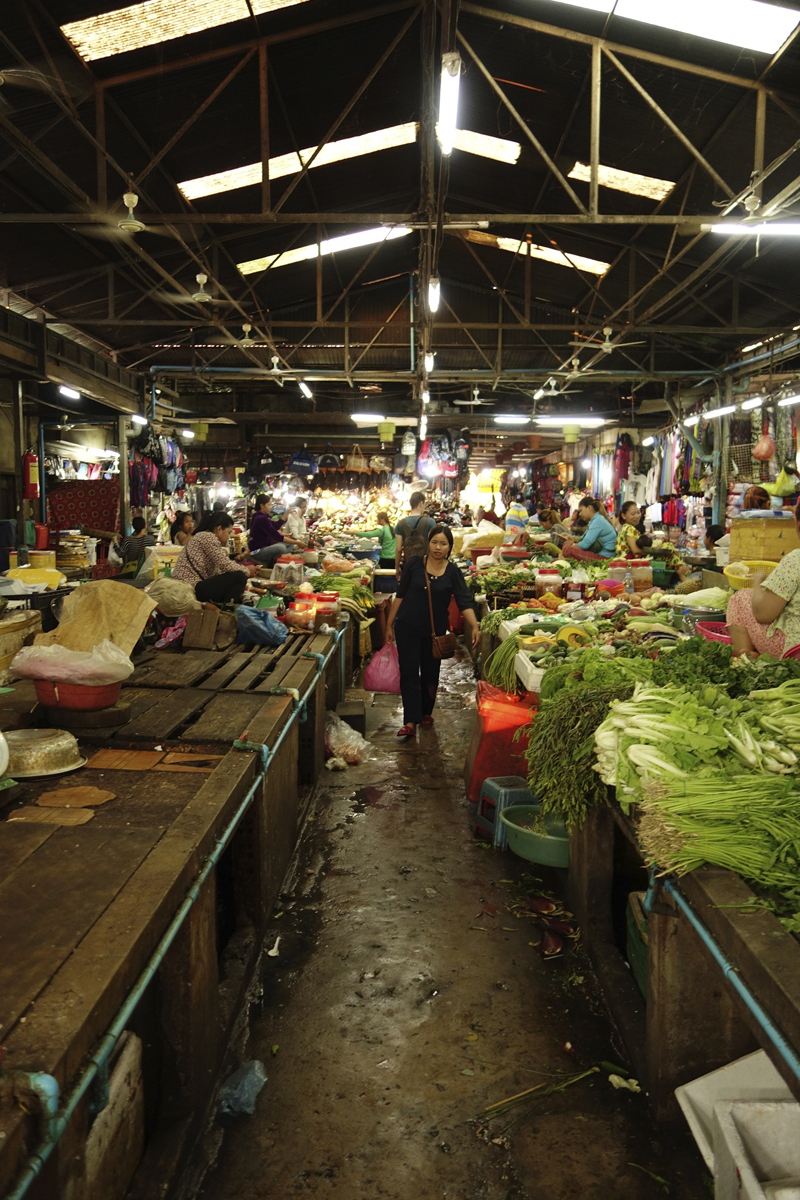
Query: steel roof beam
x=363 y=218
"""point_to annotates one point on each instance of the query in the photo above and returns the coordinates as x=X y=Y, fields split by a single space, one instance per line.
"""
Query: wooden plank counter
x=82 y=908
x=692 y=1020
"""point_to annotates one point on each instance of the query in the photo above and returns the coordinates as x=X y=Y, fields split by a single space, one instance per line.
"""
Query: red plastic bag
x=383 y=673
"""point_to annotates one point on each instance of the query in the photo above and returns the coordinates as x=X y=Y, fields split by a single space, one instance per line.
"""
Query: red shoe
x=427 y=722
x=407 y=731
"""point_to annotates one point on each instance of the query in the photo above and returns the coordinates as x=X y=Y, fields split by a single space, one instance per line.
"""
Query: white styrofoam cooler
x=756 y=1145
x=750 y=1078
x=529 y=675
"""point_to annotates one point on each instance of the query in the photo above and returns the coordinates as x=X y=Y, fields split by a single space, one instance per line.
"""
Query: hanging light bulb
x=434 y=294
x=426 y=396
x=429 y=362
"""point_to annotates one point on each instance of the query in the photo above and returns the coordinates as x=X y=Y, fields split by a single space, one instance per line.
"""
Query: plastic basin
x=550 y=849
x=76 y=695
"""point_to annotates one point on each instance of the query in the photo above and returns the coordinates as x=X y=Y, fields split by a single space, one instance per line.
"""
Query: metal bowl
x=42 y=752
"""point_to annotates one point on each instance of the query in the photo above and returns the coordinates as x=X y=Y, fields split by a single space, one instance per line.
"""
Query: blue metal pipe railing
x=45 y=1086
x=762 y=1018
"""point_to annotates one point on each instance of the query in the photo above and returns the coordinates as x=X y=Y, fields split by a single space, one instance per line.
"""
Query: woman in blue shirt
x=600 y=539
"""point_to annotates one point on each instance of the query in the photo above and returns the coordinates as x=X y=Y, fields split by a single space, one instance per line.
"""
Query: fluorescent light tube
x=434 y=294
x=305 y=389
x=428 y=362
x=691 y=421
x=426 y=396
x=762 y=229
x=510 y=420
x=367 y=418
x=752 y=346
x=137 y=420
x=156 y=21
x=747 y=23
x=587 y=422
x=448 y=101
x=719 y=412
x=753 y=402
x=624 y=181
x=648 y=441
x=69 y=392
x=592 y=266
x=348 y=241
x=187 y=433
x=787 y=400
x=423 y=428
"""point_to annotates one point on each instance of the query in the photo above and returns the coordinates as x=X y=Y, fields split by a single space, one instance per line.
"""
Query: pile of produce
x=353 y=595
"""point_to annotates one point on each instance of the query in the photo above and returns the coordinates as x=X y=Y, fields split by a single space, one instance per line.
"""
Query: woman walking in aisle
x=420 y=611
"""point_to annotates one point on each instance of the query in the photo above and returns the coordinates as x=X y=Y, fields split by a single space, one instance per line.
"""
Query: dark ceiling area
x=530 y=261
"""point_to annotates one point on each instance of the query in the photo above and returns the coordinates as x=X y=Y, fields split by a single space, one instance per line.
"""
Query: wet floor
x=409 y=994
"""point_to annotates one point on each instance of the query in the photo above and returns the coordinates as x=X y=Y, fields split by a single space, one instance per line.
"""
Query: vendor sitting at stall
x=388 y=541
x=765 y=619
x=712 y=536
x=132 y=548
x=631 y=543
x=204 y=563
x=265 y=539
x=600 y=539
x=295 y=530
x=756 y=497
x=182 y=528
x=550 y=522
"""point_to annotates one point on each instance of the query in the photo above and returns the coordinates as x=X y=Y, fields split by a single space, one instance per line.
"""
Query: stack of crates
x=498 y=793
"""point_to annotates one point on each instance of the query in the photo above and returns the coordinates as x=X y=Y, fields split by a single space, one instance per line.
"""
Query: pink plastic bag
x=383 y=673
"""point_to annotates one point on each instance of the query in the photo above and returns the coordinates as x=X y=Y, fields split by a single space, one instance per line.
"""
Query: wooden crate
x=765 y=538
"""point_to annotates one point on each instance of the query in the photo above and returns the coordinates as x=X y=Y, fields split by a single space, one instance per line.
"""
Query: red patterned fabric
x=94 y=503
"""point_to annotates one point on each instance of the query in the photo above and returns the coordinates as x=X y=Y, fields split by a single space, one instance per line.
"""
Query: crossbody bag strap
x=428 y=590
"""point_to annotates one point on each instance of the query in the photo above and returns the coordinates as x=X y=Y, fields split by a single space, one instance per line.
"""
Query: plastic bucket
x=76 y=695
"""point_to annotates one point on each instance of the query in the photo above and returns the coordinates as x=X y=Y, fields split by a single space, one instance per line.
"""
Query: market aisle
x=406 y=998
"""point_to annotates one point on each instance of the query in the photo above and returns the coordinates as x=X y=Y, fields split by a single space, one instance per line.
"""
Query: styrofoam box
x=750 y=1078
x=755 y=1143
x=529 y=675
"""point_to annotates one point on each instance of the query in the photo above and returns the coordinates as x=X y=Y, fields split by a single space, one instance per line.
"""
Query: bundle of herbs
x=560 y=748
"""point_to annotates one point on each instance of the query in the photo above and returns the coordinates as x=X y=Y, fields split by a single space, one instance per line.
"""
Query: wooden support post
x=100 y=135
x=190 y=1018
x=124 y=475
x=280 y=816
x=761 y=124
x=527 y=278
x=319 y=275
x=263 y=95
x=19 y=451
x=594 y=132
x=685 y=1038
x=631 y=286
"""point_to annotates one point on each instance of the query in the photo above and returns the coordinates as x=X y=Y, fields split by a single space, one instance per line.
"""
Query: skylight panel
x=748 y=23
x=624 y=181
x=288 y=164
x=500 y=149
x=592 y=266
x=347 y=241
x=156 y=21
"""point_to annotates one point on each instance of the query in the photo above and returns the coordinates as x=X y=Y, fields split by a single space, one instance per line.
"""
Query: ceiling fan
x=30 y=79
x=126 y=227
x=606 y=345
x=474 y=399
x=552 y=392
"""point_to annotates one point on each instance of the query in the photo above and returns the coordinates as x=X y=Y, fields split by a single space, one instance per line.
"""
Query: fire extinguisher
x=30 y=476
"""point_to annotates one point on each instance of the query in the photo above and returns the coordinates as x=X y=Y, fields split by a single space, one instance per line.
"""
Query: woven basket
x=737 y=582
x=714 y=631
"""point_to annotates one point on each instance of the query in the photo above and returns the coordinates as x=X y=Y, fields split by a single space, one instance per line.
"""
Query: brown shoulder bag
x=444 y=644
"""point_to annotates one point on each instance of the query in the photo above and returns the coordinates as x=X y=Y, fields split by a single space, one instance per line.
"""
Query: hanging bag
x=356 y=461
x=444 y=644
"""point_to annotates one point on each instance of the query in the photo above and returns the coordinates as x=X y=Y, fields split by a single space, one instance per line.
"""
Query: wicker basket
x=737 y=582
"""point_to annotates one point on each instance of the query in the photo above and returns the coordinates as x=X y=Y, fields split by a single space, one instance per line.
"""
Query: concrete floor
x=407 y=996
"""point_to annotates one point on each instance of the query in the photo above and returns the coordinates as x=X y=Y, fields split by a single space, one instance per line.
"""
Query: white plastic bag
x=115 y=559
x=104 y=664
x=342 y=741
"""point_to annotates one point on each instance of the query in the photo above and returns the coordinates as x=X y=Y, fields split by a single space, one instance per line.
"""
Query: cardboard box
x=762 y=538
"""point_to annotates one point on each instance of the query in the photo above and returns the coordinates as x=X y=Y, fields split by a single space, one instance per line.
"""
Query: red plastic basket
x=714 y=631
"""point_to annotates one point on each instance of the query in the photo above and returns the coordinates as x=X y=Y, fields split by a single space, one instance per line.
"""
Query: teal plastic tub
x=551 y=849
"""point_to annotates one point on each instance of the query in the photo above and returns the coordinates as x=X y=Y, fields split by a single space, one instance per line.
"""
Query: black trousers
x=221 y=589
x=386 y=564
x=419 y=672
